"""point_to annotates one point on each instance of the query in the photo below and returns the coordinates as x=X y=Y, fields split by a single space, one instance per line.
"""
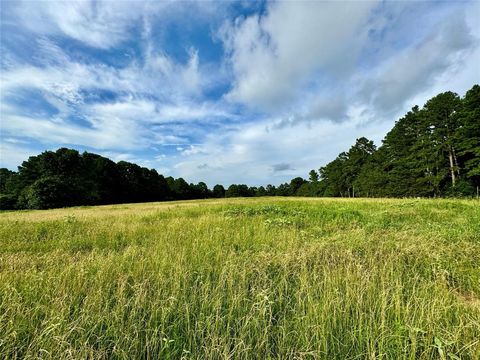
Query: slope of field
x=243 y=279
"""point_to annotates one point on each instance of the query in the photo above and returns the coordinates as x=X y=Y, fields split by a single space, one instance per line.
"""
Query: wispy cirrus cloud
x=224 y=91
x=100 y=24
x=154 y=91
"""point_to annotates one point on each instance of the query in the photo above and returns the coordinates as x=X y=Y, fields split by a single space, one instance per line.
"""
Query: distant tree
x=5 y=176
x=131 y=182
x=261 y=191
x=283 y=190
x=334 y=177
x=181 y=189
x=171 y=184
x=358 y=155
x=84 y=179
x=308 y=189
x=270 y=190
x=158 y=186
x=200 y=191
x=441 y=115
x=232 y=191
x=8 y=201
x=101 y=179
x=218 y=191
x=295 y=184
x=406 y=158
x=9 y=189
x=313 y=176
x=372 y=180
x=49 y=192
x=428 y=152
x=240 y=190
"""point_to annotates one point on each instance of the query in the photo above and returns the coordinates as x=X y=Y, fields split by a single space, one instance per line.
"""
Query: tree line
x=430 y=152
x=67 y=178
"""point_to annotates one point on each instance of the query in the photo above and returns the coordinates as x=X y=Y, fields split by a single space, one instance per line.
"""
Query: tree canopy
x=431 y=151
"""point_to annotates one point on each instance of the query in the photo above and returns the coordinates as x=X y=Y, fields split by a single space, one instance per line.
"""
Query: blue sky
x=223 y=92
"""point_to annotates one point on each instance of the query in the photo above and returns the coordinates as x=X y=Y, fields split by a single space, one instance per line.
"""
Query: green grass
x=262 y=278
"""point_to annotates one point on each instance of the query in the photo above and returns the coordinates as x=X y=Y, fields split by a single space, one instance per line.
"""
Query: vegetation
x=243 y=279
x=67 y=178
x=430 y=152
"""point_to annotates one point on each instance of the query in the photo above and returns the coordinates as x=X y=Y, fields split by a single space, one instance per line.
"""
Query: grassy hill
x=243 y=279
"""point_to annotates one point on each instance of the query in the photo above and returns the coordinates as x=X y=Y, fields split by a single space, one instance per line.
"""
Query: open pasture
x=267 y=278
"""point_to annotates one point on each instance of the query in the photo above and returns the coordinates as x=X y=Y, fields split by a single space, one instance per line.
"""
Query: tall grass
x=243 y=279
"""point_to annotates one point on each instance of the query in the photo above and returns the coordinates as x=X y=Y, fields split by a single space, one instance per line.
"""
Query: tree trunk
x=452 y=168
x=455 y=161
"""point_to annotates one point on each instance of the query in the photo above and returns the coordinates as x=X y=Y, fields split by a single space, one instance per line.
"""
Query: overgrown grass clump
x=243 y=279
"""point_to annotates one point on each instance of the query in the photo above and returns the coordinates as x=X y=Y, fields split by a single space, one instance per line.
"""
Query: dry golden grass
x=243 y=278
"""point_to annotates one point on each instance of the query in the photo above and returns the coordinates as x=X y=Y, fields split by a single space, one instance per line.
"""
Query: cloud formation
x=295 y=44
x=224 y=92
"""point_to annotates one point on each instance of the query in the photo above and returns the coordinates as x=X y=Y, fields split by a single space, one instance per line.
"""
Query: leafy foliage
x=430 y=152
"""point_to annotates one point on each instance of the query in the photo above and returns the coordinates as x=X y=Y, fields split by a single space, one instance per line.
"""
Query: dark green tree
x=238 y=190
x=441 y=115
x=295 y=185
x=200 y=191
x=358 y=155
x=48 y=192
x=468 y=134
x=270 y=190
x=8 y=189
x=313 y=176
x=181 y=189
x=334 y=178
x=261 y=191
x=218 y=191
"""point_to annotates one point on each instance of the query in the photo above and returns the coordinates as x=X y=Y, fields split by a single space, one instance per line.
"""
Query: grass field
x=243 y=279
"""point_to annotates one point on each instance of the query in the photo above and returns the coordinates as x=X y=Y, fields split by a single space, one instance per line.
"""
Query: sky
x=224 y=92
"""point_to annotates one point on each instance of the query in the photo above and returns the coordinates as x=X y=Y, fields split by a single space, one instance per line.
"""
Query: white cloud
x=193 y=150
x=105 y=24
x=275 y=55
x=418 y=68
x=100 y=24
x=158 y=91
x=13 y=154
x=317 y=61
x=252 y=154
x=59 y=131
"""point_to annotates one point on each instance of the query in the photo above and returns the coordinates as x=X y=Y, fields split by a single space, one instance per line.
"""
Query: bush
x=49 y=192
x=462 y=189
x=7 y=201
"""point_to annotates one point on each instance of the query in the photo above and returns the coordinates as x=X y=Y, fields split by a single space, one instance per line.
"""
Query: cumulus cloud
x=416 y=68
x=294 y=44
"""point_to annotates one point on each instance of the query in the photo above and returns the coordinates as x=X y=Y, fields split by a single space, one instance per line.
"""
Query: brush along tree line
x=430 y=152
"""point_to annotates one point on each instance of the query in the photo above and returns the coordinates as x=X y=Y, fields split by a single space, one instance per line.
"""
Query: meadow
x=258 y=278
